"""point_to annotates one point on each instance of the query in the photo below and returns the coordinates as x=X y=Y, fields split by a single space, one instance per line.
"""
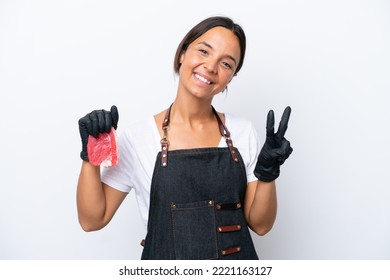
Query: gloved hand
x=98 y=121
x=276 y=148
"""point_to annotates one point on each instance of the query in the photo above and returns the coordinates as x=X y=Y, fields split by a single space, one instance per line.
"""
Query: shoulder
x=139 y=128
x=239 y=126
x=140 y=134
x=246 y=140
x=139 y=125
x=243 y=133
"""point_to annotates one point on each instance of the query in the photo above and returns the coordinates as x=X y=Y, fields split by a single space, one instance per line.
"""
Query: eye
x=203 y=51
x=227 y=65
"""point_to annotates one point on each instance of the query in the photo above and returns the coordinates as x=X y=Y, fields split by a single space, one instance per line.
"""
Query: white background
x=329 y=60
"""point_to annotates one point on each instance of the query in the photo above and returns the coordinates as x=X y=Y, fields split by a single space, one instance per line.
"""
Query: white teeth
x=202 y=79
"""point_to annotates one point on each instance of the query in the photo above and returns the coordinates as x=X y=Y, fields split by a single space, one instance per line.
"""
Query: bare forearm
x=90 y=198
x=262 y=213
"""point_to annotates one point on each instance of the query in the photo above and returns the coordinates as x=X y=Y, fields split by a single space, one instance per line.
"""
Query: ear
x=182 y=57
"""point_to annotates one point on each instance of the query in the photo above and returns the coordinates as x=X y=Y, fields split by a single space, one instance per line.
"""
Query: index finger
x=114 y=116
x=284 y=122
x=270 y=123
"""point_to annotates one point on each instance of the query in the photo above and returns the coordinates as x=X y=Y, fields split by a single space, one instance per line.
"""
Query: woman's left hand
x=276 y=148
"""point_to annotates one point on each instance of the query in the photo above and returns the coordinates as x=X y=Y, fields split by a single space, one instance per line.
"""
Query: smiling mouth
x=203 y=79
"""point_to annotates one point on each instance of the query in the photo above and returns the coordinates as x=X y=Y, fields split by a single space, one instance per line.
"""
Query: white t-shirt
x=139 y=145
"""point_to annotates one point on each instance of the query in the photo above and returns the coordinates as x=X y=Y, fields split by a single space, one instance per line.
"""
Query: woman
x=209 y=181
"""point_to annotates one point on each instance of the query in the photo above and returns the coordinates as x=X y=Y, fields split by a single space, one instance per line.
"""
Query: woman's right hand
x=98 y=121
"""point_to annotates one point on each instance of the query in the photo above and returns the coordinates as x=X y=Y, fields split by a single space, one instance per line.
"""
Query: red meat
x=103 y=150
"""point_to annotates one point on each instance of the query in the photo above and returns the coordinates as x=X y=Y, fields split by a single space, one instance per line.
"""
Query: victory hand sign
x=276 y=148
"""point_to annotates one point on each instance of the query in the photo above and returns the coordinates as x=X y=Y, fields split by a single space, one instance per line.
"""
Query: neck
x=190 y=112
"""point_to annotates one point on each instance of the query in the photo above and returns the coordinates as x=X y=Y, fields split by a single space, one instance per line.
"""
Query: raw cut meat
x=103 y=150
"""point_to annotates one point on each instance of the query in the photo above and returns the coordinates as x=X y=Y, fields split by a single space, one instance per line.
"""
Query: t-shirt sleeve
x=119 y=177
x=253 y=153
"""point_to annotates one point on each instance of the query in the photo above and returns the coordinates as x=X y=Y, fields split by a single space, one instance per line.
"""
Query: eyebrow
x=209 y=46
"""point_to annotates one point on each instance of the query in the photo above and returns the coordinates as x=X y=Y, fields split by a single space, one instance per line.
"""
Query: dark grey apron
x=196 y=201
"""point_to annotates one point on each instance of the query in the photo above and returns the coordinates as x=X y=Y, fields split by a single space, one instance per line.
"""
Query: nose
x=211 y=65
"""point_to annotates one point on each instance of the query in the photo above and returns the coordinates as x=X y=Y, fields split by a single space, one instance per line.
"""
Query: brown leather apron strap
x=228 y=206
x=231 y=250
x=229 y=228
x=165 y=143
x=226 y=134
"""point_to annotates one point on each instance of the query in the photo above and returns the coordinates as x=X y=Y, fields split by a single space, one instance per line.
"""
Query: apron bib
x=196 y=202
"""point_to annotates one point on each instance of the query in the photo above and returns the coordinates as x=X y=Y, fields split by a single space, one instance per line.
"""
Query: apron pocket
x=194 y=230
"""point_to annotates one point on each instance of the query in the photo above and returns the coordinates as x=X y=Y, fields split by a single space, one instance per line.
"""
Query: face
x=209 y=63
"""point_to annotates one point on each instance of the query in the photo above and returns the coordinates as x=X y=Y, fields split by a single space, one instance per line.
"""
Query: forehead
x=221 y=39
